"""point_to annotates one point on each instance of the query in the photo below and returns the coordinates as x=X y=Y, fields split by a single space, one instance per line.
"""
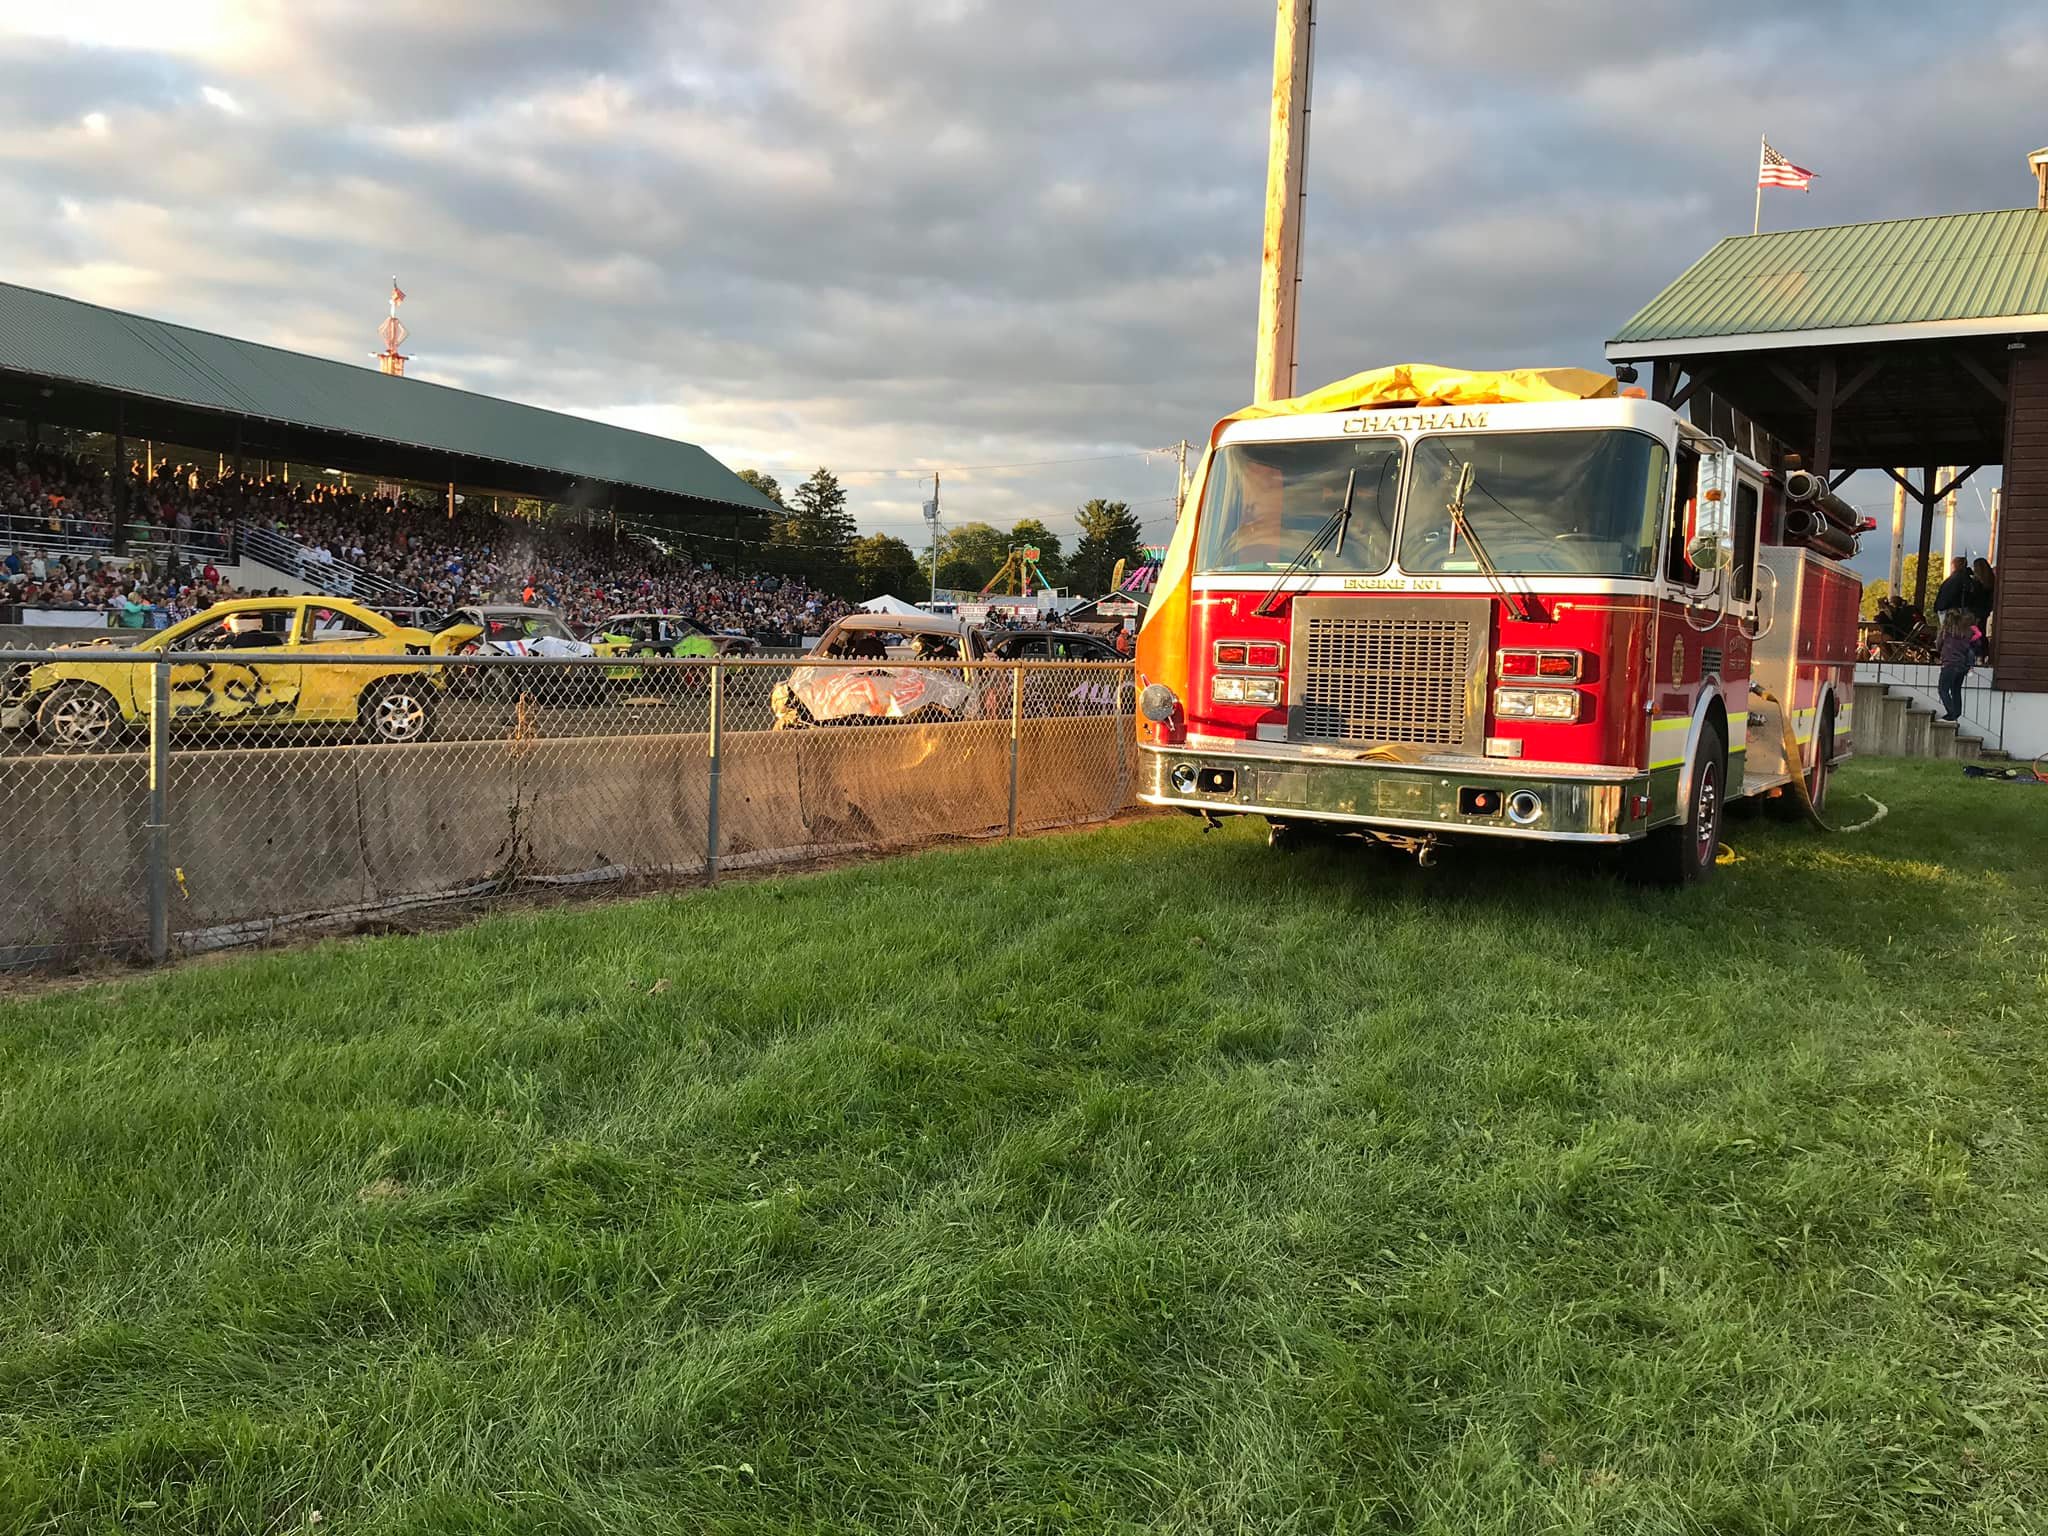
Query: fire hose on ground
x=1796 y=761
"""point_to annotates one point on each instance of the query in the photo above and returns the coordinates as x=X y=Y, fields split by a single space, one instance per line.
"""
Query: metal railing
x=94 y=536
x=333 y=576
x=162 y=805
x=1983 y=704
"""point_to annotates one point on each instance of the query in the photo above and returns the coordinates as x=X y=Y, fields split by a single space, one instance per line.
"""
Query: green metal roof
x=1940 y=273
x=51 y=336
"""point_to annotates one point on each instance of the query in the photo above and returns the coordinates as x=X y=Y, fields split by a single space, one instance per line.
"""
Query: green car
x=661 y=634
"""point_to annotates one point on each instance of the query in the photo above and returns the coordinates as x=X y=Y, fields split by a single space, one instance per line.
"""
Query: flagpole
x=1756 y=222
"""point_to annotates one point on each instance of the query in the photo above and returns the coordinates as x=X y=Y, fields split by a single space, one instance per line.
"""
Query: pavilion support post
x=1925 y=496
x=1663 y=380
x=1824 y=420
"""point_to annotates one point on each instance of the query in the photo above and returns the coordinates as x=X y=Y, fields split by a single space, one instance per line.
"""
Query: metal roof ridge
x=335 y=362
x=1922 y=218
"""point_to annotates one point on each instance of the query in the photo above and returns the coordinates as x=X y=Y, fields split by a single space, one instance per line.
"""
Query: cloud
x=917 y=233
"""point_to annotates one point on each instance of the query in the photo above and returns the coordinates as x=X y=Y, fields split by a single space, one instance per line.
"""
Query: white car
x=518 y=632
x=511 y=631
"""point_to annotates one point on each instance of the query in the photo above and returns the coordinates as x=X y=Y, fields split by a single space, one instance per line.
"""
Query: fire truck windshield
x=1265 y=501
x=1564 y=503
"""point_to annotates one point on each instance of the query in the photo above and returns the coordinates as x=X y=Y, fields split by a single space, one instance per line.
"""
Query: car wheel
x=78 y=717
x=398 y=712
x=1684 y=854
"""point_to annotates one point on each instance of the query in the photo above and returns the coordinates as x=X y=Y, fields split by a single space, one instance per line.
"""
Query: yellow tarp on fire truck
x=1162 y=642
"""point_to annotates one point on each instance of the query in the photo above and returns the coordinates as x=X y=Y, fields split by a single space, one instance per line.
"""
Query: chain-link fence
x=159 y=804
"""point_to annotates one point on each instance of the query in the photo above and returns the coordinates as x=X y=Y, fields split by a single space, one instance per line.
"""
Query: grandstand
x=67 y=363
x=302 y=473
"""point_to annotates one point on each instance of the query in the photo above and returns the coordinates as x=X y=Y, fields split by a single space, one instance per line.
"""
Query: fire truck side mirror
x=1706 y=539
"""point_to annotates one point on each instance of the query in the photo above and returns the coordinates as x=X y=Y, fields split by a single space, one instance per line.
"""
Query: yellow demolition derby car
x=273 y=667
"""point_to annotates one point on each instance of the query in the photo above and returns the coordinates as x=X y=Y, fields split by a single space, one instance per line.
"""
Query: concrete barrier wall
x=286 y=833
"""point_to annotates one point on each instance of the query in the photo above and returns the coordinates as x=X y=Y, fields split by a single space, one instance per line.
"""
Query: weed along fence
x=167 y=804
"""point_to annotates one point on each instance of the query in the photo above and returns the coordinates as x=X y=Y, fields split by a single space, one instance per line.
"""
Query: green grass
x=1127 y=1180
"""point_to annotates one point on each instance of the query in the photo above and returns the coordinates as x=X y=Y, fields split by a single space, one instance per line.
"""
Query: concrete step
x=1914 y=731
x=1968 y=748
x=1941 y=738
x=1869 y=717
x=1891 y=725
x=1994 y=755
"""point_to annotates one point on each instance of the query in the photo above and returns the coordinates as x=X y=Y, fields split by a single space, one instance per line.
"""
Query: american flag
x=398 y=293
x=1774 y=170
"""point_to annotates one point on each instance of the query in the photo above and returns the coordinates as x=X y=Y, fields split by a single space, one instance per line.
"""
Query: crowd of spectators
x=180 y=522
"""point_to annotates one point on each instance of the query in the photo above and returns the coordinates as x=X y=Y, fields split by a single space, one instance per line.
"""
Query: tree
x=1030 y=531
x=1109 y=533
x=819 y=531
x=765 y=484
x=969 y=555
x=883 y=563
x=1909 y=577
x=819 y=505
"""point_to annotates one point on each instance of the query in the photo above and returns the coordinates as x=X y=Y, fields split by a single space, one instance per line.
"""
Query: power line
x=947 y=469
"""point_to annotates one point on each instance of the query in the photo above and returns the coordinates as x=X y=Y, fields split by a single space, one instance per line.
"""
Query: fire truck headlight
x=1536 y=703
x=1157 y=703
x=1245 y=690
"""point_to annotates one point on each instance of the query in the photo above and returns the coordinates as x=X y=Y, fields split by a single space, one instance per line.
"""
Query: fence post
x=1016 y=730
x=159 y=827
x=717 y=743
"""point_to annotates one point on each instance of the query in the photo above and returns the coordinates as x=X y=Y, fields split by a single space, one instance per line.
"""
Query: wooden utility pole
x=1895 y=572
x=1286 y=169
x=1180 y=484
x=1948 y=523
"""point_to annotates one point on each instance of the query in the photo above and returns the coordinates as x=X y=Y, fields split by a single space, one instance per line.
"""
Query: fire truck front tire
x=1684 y=854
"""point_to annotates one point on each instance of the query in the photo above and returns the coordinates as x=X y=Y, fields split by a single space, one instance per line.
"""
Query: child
x=1958 y=649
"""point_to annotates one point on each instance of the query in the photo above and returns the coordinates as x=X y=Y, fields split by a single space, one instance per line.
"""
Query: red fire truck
x=1422 y=606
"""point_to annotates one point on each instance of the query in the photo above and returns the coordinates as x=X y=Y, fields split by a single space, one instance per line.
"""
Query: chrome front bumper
x=1398 y=797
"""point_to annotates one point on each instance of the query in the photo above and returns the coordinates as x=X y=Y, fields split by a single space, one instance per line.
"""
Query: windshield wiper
x=1462 y=524
x=1336 y=522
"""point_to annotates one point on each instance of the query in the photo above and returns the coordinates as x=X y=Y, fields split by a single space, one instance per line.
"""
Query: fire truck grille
x=1383 y=680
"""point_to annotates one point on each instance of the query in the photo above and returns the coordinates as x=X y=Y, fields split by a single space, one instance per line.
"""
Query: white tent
x=887 y=604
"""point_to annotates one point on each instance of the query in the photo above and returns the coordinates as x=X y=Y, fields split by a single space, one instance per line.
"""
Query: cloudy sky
x=896 y=234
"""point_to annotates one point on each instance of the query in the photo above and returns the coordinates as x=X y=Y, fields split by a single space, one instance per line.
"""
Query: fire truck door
x=1752 y=600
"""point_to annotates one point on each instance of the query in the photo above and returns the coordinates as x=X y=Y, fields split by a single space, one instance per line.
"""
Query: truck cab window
x=1748 y=503
x=1676 y=566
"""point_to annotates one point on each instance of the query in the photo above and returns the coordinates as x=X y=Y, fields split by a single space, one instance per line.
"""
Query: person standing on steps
x=1958 y=651
x=1954 y=592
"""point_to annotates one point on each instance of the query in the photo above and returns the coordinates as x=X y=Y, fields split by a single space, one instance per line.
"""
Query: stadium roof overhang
x=67 y=363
